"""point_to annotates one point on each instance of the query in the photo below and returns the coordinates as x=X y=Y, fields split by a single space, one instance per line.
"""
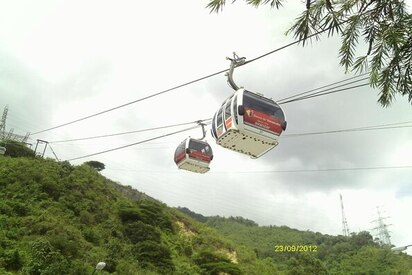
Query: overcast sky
x=63 y=60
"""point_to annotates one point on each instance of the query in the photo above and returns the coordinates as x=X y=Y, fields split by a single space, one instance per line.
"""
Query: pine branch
x=273 y=3
x=349 y=42
x=385 y=26
x=216 y=5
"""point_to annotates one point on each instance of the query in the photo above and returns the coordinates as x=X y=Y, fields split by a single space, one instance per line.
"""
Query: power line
x=178 y=86
x=130 y=132
x=136 y=143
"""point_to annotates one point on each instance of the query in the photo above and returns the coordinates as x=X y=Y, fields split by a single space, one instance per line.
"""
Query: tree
x=363 y=238
x=214 y=264
x=383 y=25
x=150 y=253
x=96 y=165
x=306 y=264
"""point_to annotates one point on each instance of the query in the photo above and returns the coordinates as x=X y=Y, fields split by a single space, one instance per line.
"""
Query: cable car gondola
x=247 y=122
x=194 y=155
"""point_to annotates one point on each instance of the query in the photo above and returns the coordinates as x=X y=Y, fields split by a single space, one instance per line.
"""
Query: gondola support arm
x=235 y=62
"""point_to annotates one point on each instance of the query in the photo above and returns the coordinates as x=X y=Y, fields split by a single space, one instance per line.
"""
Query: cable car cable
x=315 y=89
x=129 y=132
x=175 y=87
x=281 y=171
x=326 y=93
x=358 y=129
x=322 y=170
x=181 y=124
x=309 y=95
x=136 y=143
x=131 y=102
x=366 y=128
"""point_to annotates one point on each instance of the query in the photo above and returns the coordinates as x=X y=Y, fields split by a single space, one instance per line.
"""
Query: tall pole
x=44 y=151
x=3 y=123
x=345 y=227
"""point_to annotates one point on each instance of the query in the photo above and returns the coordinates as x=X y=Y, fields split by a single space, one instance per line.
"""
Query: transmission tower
x=382 y=229
x=10 y=135
x=26 y=137
x=345 y=227
x=3 y=123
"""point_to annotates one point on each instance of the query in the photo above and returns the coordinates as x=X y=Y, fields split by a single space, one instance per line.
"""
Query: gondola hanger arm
x=201 y=123
x=234 y=62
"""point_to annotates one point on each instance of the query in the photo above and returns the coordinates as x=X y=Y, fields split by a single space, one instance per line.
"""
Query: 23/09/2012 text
x=296 y=248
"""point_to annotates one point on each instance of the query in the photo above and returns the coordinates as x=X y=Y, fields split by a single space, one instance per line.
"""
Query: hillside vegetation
x=357 y=254
x=56 y=218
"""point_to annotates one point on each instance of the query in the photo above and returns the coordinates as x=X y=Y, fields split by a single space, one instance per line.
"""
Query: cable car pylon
x=247 y=122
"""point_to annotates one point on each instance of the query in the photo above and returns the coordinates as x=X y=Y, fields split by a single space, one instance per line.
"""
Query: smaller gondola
x=194 y=155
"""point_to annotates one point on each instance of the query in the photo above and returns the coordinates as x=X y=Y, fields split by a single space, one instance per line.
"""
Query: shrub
x=16 y=149
x=150 y=253
x=140 y=232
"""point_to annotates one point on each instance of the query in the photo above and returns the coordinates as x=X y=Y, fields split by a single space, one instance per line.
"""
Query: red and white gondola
x=194 y=155
x=247 y=122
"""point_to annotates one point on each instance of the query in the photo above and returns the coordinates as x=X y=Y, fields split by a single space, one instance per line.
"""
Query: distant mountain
x=284 y=248
x=204 y=219
x=196 y=216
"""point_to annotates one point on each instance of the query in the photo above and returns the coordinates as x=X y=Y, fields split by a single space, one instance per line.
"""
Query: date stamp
x=296 y=248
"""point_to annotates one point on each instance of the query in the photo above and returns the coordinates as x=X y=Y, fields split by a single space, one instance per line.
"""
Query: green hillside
x=56 y=218
x=357 y=254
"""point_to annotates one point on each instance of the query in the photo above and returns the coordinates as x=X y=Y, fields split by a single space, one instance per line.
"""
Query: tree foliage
x=214 y=264
x=56 y=218
x=99 y=166
x=153 y=253
x=376 y=37
x=356 y=254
